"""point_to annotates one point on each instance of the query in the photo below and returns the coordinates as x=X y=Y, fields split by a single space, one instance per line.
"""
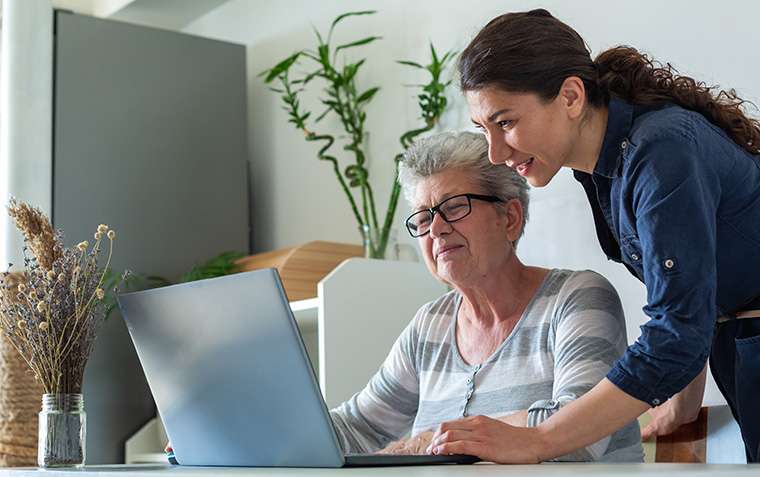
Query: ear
x=572 y=95
x=514 y=214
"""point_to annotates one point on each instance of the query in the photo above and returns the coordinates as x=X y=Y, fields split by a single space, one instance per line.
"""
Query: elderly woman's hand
x=416 y=445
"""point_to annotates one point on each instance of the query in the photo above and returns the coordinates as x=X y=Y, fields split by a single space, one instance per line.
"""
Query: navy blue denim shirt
x=677 y=202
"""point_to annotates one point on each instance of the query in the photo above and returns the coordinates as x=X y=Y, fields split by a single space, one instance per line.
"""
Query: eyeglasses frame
x=434 y=209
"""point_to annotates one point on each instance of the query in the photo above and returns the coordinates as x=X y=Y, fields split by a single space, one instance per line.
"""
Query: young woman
x=672 y=173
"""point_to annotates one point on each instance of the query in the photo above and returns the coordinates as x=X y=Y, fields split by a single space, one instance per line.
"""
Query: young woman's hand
x=490 y=439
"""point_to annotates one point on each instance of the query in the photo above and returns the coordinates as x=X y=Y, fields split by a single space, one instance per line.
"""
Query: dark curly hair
x=535 y=52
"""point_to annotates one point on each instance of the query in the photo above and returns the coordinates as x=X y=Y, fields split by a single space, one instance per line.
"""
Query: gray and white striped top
x=565 y=342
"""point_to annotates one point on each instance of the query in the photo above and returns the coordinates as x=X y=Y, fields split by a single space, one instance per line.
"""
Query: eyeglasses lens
x=452 y=209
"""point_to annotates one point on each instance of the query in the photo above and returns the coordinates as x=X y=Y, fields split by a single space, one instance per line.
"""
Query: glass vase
x=378 y=243
x=61 y=438
x=383 y=244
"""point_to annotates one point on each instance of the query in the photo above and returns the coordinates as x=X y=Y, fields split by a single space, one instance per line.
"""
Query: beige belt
x=739 y=315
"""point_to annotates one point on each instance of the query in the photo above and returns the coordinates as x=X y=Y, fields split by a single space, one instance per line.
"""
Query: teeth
x=522 y=166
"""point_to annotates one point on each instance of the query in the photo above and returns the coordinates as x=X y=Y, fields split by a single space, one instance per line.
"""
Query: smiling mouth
x=524 y=165
x=445 y=249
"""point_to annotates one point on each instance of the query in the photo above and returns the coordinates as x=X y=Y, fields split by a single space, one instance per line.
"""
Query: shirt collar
x=619 y=123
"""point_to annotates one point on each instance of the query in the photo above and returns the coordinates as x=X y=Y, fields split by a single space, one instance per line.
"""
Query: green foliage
x=343 y=98
x=432 y=100
x=222 y=264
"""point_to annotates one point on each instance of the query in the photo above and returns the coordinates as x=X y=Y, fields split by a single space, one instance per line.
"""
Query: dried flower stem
x=51 y=311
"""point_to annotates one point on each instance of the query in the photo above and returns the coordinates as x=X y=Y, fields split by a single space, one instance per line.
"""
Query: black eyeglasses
x=452 y=209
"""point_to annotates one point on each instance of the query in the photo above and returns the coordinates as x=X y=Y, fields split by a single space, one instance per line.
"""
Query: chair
x=713 y=438
x=688 y=443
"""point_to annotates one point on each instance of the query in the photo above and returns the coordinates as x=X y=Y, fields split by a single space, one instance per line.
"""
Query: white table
x=479 y=470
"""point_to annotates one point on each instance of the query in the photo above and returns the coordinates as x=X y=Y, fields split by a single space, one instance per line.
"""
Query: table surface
x=479 y=470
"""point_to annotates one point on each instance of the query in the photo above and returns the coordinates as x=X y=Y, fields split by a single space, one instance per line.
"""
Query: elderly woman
x=509 y=342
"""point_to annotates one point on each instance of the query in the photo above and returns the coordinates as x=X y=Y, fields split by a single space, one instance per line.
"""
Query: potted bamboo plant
x=333 y=79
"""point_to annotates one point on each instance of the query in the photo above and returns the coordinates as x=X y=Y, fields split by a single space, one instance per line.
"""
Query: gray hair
x=467 y=152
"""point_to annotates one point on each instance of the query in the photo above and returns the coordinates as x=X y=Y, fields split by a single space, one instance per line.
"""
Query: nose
x=439 y=227
x=499 y=151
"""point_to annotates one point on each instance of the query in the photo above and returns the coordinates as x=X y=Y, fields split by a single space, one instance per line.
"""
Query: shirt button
x=623 y=144
x=669 y=263
x=634 y=256
x=655 y=402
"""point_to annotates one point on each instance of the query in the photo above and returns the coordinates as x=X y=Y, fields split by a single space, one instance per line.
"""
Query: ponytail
x=636 y=79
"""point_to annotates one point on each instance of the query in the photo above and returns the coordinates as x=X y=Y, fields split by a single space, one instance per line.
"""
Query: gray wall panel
x=150 y=139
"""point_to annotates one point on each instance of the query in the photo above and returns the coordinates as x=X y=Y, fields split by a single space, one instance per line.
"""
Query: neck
x=590 y=138
x=499 y=299
x=486 y=318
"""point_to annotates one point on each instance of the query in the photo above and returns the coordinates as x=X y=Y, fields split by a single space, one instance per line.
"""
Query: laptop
x=231 y=378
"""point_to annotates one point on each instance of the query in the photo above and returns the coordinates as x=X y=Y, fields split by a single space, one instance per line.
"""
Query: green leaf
x=432 y=53
x=279 y=68
x=358 y=43
x=410 y=63
x=316 y=32
x=367 y=95
x=349 y=71
x=448 y=56
x=324 y=55
x=310 y=76
x=311 y=55
x=222 y=264
x=157 y=281
x=350 y=14
x=321 y=116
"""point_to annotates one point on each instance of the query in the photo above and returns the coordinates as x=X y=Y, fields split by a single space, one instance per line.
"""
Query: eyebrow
x=493 y=116
x=498 y=113
x=446 y=197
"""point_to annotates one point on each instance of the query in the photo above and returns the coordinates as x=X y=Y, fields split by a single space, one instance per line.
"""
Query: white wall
x=25 y=103
x=296 y=198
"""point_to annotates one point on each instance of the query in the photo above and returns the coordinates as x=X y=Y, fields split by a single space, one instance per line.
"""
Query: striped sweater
x=565 y=342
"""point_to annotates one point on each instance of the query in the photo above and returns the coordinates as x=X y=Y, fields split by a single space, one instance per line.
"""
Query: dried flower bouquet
x=53 y=313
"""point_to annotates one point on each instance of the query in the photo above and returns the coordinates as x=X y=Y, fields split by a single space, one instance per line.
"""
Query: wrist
x=683 y=414
x=539 y=445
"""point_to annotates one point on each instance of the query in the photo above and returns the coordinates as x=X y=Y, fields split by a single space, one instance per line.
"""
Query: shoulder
x=563 y=282
x=667 y=145
x=577 y=291
x=436 y=315
x=667 y=121
x=667 y=131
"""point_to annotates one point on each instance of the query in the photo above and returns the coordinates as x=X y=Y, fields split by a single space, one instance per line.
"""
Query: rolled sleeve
x=543 y=410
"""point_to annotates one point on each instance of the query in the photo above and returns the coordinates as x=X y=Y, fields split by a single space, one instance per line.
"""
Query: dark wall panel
x=150 y=139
